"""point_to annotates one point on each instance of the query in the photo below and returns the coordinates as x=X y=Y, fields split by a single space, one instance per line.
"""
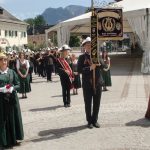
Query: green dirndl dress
x=106 y=77
x=11 y=128
x=25 y=86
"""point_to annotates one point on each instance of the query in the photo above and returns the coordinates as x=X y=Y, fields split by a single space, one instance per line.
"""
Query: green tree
x=30 y=21
x=31 y=46
x=74 y=41
x=39 y=20
x=41 y=46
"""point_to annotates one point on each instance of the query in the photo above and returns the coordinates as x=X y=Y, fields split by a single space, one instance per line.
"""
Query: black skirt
x=77 y=82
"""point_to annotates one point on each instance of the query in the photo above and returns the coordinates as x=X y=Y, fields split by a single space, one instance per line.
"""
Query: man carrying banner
x=91 y=95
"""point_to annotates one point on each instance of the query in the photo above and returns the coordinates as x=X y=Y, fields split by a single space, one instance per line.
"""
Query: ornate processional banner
x=106 y=24
x=110 y=24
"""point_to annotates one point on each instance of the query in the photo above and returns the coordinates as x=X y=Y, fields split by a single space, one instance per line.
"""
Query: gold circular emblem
x=108 y=24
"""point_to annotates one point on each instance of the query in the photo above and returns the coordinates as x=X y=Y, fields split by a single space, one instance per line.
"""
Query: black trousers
x=35 y=68
x=92 y=103
x=49 y=70
x=65 y=91
x=66 y=95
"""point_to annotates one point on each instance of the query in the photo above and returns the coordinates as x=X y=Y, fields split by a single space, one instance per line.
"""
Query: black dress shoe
x=65 y=105
x=17 y=143
x=68 y=105
x=96 y=125
x=90 y=125
x=105 y=89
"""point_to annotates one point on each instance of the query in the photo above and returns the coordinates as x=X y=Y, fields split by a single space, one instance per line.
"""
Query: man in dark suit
x=49 y=63
x=65 y=73
x=85 y=67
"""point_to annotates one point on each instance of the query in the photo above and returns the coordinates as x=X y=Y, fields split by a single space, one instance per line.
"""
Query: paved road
x=50 y=126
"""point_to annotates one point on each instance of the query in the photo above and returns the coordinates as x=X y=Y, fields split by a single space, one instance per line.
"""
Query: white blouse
x=24 y=62
x=4 y=72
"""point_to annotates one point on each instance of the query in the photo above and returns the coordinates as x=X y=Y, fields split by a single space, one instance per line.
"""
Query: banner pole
x=93 y=42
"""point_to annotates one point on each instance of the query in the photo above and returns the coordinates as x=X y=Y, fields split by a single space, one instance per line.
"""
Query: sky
x=23 y=9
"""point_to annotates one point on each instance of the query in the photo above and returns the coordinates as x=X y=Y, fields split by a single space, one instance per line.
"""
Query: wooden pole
x=94 y=85
x=93 y=45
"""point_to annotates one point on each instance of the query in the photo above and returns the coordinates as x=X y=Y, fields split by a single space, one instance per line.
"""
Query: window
x=24 y=34
x=6 y=33
x=16 y=33
x=12 y=33
x=9 y=33
x=21 y=34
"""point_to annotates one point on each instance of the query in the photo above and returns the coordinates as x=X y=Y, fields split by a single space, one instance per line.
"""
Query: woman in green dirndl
x=23 y=72
x=106 y=72
x=11 y=128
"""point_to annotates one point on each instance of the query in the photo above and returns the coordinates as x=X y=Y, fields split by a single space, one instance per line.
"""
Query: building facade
x=36 y=35
x=13 y=32
x=37 y=40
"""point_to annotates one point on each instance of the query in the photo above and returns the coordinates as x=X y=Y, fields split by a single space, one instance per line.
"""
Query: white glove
x=10 y=90
x=3 y=89
x=6 y=90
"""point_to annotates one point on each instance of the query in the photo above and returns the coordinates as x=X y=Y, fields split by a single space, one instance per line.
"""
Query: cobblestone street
x=48 y=125
x=51 y=45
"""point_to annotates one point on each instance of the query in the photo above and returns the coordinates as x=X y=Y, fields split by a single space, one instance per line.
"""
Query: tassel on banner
x=147 y=115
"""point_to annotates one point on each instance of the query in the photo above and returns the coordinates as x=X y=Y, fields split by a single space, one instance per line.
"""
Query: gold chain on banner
x=94 y=52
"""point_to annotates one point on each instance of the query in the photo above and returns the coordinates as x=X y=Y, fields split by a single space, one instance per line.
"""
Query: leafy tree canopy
x=37 y=21
x=74 y=41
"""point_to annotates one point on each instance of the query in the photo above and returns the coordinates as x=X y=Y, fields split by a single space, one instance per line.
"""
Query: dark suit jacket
x=84 y=63
x=65 y=81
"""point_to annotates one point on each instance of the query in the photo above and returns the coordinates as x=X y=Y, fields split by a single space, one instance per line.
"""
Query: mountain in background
x=55 y=15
